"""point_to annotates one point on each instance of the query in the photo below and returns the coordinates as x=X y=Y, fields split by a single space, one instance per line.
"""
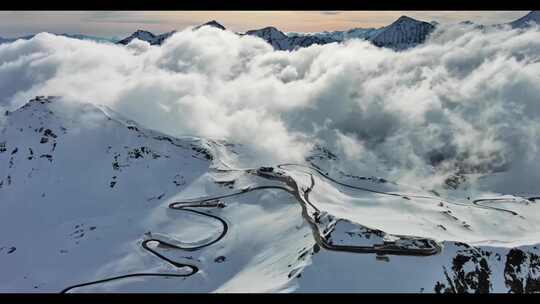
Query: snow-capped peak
x=147 y=36
x=275 y=37
x=144 y=34
x=154 y=39
x=403 y=33
x=268 y=32
x=405 y=19
x=139 y=34
x=212 y=23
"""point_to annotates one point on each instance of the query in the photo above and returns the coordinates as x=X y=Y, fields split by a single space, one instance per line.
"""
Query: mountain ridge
x=405 y=32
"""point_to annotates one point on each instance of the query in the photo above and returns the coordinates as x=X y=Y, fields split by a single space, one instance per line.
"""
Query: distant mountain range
x=404 y=33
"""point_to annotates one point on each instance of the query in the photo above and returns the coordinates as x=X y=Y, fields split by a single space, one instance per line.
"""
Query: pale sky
x=122 y=23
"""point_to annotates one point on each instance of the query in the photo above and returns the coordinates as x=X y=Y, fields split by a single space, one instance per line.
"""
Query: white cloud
x=464 y=95
x=351 y=147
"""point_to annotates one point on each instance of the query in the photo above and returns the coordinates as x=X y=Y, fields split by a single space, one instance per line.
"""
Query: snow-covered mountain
x=147 y=36
x=273 y=36
x=359 y=33
x=530 y=18
x=92 y=201
x=281 y=41
x=290 y=41
x=141 y=35
x=212 y=23
x=154 y=39
x=81 y=177
x=403 y=33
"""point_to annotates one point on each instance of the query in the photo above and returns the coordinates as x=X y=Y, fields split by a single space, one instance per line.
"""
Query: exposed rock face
x=470 y=272
x=522 y=271
x=474 y=270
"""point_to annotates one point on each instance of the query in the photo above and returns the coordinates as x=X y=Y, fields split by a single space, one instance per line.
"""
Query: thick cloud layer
x=466 y=100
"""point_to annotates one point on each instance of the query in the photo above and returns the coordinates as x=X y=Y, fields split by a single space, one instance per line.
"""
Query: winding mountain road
x=302 y=196
x=475 y=202
x=194 y=269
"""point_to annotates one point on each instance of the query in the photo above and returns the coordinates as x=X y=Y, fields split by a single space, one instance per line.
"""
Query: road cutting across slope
x=310 y=213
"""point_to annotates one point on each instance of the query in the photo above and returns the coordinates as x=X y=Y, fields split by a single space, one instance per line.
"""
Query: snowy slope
x=92 y=201
x=76 y=183
x=531 y=18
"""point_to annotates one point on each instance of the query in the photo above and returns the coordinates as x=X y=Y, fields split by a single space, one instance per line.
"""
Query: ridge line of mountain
x=405 y=32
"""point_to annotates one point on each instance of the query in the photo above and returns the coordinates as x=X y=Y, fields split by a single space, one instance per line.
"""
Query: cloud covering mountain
x=465 y=100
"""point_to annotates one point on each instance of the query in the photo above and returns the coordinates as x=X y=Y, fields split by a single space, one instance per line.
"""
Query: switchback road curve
x=193 y=268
